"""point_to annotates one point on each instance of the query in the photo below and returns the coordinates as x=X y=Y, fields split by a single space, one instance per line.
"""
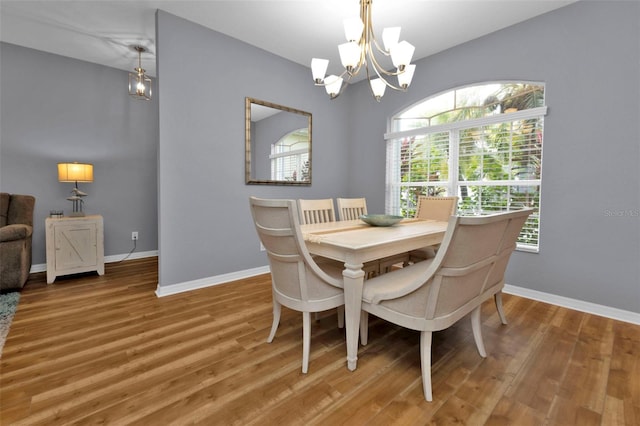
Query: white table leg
x=353 y=282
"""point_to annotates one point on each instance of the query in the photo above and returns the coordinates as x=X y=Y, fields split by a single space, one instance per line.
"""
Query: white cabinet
x=74 y=245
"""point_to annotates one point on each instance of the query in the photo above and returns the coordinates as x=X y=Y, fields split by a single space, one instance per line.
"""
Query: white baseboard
x=565 y=302
x=121 y=257
x=577 y=305
x=42 y=267
x=168 y=290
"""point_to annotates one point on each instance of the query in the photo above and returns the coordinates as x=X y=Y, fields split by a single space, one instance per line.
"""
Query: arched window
x=482 y=143
x=290 y=156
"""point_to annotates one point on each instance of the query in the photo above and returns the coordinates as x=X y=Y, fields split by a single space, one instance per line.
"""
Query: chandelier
x=360 y=52
x=139 y=82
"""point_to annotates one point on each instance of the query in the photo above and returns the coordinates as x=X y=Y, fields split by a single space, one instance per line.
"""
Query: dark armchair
x=16 y=230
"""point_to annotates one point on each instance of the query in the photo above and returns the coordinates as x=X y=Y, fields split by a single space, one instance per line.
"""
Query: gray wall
x=56 y=109
x=205 y=227
x=588 y=55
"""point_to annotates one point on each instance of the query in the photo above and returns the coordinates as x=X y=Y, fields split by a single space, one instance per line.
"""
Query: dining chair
x=351 y=208
x=321 y=211
x=316 y=211
x=432 y=208
x=297 y=280
x=436 y=208
x=434 y=294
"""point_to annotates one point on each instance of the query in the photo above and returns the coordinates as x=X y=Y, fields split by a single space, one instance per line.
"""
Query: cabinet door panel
x=75 y=246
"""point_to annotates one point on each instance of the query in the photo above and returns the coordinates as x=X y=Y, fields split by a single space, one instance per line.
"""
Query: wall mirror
x=277 y=144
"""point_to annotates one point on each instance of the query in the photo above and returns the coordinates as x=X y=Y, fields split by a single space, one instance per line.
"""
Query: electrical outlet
x=134 y=235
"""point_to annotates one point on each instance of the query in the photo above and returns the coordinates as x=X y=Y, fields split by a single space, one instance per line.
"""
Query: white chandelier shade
x=332 y=84
x=360 y=52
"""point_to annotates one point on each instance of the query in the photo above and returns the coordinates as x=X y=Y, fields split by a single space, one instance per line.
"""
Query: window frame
x=394 y=141
x=279 y=156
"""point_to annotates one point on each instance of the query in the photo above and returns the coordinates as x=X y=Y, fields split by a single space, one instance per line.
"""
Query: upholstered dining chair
x=434 y=294
x=297 y=281
x=432 y=208
x=351 y=208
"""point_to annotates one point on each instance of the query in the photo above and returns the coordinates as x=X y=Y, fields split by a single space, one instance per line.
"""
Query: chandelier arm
x=361 y=61
x=371 y=35
x=399 y=89
x=376 y=64
x=344 y=73
x=364 y=37
x=345 y=83
x=342 y=89
x=374 y=61
x=365 y=17
x=342 y=76
x=378 y=48
x=380 y=67
x=369 y=79
x=384 y=80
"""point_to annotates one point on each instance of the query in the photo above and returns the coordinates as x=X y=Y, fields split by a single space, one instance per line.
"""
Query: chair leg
x=341 y=316
x=306 y=340
x=425 y=363
x=477 y=331
x=498 y=299
x=277 y=308
x=364 y=327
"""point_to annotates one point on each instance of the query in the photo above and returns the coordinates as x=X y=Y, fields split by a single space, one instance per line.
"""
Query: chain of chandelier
x=360 y=52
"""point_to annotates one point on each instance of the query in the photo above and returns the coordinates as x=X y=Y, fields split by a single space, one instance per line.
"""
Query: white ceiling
x=104 y=31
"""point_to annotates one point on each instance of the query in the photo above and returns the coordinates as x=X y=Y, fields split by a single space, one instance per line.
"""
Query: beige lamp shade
x=75 y=172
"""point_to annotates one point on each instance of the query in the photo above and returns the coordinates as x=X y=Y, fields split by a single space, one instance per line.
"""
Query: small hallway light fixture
x=360 y=52
x=139 y=82
x=76 y=172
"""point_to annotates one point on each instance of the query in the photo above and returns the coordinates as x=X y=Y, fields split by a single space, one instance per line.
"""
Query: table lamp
x=76 y=172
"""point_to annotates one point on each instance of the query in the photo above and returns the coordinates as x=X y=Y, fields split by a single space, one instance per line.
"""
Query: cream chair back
x=316 y=211
x=295 y=274
x=436 y=208
x=351 y=208
x=473 y=259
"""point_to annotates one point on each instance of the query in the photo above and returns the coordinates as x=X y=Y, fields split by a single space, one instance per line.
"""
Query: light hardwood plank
x=95 y=349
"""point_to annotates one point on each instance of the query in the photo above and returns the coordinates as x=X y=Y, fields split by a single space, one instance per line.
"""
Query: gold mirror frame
x=250 y=163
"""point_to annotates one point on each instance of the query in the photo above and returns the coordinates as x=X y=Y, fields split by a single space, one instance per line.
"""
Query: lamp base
x=76 y=214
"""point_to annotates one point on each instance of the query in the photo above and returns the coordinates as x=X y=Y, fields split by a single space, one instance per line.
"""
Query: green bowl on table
x=380 y=219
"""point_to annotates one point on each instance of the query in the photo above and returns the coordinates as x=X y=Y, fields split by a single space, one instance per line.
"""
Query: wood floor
x=106 y=350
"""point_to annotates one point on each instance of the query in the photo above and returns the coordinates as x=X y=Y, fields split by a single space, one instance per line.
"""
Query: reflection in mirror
x=277 y=144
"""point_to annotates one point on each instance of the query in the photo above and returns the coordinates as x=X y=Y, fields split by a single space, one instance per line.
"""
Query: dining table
x=354 y=242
